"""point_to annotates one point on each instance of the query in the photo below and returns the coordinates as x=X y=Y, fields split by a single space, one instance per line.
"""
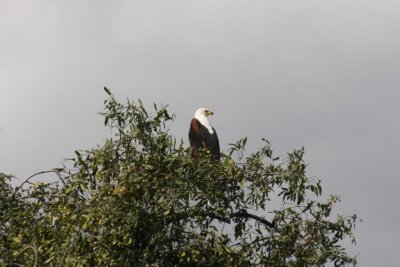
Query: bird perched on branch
x=202 y=134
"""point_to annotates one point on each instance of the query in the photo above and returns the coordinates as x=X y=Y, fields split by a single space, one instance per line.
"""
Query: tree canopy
x=140 y=200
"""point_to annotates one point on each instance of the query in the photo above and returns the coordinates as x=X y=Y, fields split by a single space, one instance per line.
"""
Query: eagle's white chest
x=204 y=121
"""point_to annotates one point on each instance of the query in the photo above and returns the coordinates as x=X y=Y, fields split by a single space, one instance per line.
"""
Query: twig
x=56 y=171
x=36 y=254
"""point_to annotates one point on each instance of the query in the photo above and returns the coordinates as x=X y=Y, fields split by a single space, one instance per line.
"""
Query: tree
x=140 y=200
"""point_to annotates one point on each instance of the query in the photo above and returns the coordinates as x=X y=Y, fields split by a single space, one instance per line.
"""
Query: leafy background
x=140 y=200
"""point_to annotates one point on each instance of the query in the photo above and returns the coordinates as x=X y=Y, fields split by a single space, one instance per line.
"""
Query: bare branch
x=56 y=171
x=245 y=214
x=242 y=214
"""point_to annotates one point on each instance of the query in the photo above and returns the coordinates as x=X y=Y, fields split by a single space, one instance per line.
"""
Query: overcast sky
x=322 y=74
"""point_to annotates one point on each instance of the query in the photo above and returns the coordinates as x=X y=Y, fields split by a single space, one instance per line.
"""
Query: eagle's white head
x=201 y=115
x=203 y=112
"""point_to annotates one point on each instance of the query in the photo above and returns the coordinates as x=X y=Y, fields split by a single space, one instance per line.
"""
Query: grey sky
x=319 y=74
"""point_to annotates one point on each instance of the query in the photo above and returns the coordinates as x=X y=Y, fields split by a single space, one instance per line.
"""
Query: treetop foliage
x=140 y=200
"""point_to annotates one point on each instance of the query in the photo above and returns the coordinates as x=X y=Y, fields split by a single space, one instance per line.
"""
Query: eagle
x=202 y=134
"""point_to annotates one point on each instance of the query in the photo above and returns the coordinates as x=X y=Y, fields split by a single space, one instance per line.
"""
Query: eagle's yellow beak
x=209 y=112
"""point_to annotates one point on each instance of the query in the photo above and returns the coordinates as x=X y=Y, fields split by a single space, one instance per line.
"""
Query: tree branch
x=242 y=214
x=245 y=214
x=216 y=216
x=56 y=171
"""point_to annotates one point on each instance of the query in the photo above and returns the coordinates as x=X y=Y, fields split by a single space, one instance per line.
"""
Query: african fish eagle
x=201 y=133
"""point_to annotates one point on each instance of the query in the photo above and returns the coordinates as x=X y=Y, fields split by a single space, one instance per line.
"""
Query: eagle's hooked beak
x=209 y=112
